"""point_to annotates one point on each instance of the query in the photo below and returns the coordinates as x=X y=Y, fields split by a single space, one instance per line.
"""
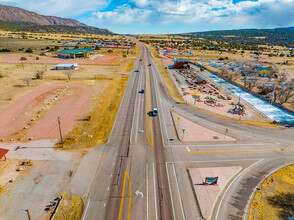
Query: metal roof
x=262 y=68
x=74 y=51
x=3 y=152
x=66 y=65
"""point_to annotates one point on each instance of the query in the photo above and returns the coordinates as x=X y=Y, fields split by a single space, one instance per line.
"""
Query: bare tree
x=250 y=83
x=27 y=80
x=40 y=74
x=286 y=93
x=233 y=76
x=69 y=74
x=282 y=76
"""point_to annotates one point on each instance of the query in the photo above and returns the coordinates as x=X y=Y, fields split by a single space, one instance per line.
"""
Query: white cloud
x=62 y=8
x=123 y=15
x=244 y=14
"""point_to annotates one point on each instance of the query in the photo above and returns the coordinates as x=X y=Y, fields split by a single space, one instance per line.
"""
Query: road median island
x=207 y=193
x=70 y=207
x=189 y=131
x=274 y=198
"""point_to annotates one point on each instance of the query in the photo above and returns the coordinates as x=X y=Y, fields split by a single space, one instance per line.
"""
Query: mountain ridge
x=18 y=19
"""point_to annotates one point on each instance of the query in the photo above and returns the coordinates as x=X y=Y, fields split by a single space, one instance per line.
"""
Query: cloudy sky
x=167 y=16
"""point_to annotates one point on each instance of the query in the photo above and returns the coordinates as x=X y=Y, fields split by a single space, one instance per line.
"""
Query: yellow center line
x=239 y=152
x=148 y=94
x=122 y=196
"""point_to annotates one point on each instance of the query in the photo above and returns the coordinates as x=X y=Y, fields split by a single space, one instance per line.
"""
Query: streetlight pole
x=61 y=139
x=28 y=213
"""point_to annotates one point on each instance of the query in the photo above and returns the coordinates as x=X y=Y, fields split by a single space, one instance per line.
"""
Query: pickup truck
x=154 y=111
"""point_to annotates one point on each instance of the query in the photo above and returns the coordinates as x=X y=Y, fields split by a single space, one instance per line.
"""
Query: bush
x=110 y=51
x=29 y=50
x=47 y=48
x=5 y=50
x=221 y=58
x=201 y=69
x=97 y=48
x=1 y=75
x=37 y=58
x=23 y=58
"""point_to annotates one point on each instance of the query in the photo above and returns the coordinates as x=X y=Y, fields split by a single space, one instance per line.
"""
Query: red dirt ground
x=14 y=58
x=71 y=104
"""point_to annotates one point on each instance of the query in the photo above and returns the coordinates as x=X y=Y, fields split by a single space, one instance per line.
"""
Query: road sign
x=178 y=118
x=183 y=130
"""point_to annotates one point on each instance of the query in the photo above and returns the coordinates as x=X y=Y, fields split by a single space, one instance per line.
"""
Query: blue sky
x=167 y=16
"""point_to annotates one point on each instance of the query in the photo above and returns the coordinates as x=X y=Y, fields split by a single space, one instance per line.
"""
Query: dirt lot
x=37 y=111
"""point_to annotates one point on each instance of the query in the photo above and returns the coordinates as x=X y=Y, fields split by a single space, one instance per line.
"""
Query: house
x=75 y=53
x=181 y=64
x=3 y=153
x=66 y=67
x=262 y=71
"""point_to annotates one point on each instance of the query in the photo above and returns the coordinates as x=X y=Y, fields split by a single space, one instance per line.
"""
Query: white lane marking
x=170 y=192
x=108 y=188
x=219 y=206
x=182 y=208
x=155 y=191
x=188 y=149
x=147 y=193
x=223 y=145
x=86 y=210
x=138 y=192
x=212 y=161
x=104 y=204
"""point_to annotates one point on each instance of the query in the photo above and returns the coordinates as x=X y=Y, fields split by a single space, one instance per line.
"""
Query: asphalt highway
x=142 y=173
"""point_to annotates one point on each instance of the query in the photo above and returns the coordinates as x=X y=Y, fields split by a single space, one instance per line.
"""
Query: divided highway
x=142 y=173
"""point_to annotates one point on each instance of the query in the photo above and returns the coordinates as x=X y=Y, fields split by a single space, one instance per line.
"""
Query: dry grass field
x=271 y=201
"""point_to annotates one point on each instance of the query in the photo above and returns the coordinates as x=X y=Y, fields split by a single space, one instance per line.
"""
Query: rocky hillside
x=13 y=14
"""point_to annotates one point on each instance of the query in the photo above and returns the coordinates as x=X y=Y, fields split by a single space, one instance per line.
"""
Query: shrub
x=23 y=58
x=5 y=50
x=37 y=58
x=29 y=50
x=110 y=51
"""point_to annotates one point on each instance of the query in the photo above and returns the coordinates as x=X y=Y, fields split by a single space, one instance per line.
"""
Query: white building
x=66 y=67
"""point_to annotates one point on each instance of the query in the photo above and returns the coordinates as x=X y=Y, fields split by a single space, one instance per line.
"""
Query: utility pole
x=61 y=139
x=28 y=213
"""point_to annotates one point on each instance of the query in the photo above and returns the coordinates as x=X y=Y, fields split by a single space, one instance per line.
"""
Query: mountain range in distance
x=17 y=19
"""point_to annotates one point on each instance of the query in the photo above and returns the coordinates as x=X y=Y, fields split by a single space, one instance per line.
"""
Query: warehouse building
x=76 y=53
